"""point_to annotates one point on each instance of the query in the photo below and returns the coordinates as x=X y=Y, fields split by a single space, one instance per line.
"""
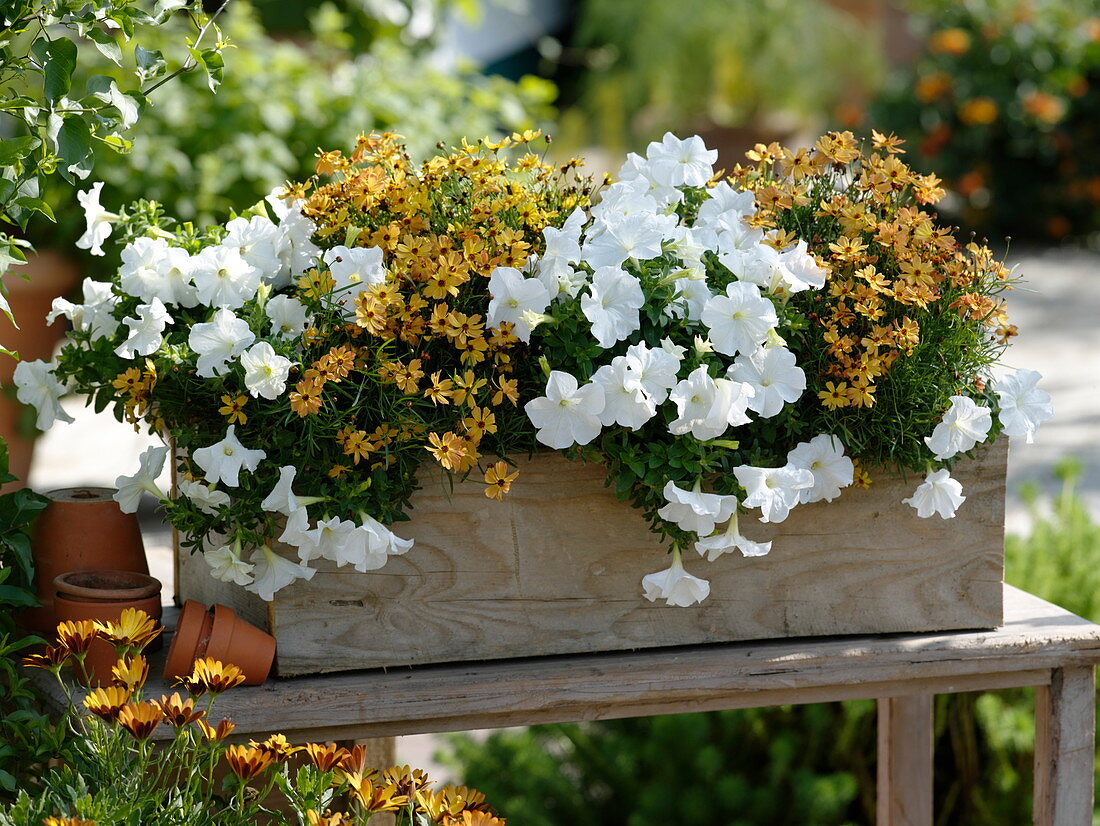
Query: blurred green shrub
x=201 y=155
x=808 y=765
x=1004 y=104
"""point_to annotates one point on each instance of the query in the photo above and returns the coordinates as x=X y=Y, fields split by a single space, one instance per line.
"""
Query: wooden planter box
x=557 y=569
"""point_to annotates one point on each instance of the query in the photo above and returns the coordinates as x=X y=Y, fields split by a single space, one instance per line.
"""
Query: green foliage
x=798 y=765
x=653 y=66
x=1004 y=103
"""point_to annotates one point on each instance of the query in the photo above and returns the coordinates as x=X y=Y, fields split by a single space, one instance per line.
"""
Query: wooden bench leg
x=1065 y=737
x=905 y=761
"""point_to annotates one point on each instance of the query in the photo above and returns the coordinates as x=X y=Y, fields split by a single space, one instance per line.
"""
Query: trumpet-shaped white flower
x=289 y=318
x=824 y=457
x=655 y=369
x=676 y=162
x=692 y=295
x=562 y=249
x=218 y=341
x=638 y=170
x=265 y=371
x=1023 y=406
x=567 y=414
x=773 y=374
x=258 y=241
x=513 y=298
x=366 y=548
x=774 y=490
x=94 y=316
x=282 y=498
x=938 y=494
x=226 y=564
x=626 y=198
x=800 y=270
x=740 y=320
x=726 y=203
x=298 y=533
x=625 y=400
x=394 y=545
x=272 y=573
x=635 y=236
x=695 y=511
x=707 y=407
x=130 y=488
x=612 y=303
x=38 y=386
x=354 y=269
x=206 y=499
x=729 y=540
x=224 y=460
x=297 y=252
x=336 y=540
x=153 y=269
x=99 y=221
x=146 y=331
x=675 y=585
x=965 y=424
x=223 y=278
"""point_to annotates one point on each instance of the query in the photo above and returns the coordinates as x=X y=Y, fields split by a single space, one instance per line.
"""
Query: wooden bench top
x=1037 y=637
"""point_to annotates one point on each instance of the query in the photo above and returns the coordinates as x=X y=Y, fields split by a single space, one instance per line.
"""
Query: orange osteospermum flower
x=210 y=675
x=277 y=746
x=248 y=761
x=327 y=756
x=52 y=657
x=179 y=712
x=375 y=798
x=498 y=481
x=134 y=628
x=77 y=635
x=106 y=702
x=216 y=735
x=140 y=719
x=130 y=673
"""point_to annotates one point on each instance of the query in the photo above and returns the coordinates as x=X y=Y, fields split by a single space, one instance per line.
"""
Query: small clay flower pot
x=221 y=634
x=103 y=596
x=82 y=529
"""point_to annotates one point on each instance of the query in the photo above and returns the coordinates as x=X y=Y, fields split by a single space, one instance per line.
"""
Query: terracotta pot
x=103 y=595
x=51 y=275
x=82 y=529
x=221 y=634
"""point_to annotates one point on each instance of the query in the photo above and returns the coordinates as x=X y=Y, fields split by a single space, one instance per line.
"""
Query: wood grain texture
x=905 y=761
x=556 y=569
x=1065 y=741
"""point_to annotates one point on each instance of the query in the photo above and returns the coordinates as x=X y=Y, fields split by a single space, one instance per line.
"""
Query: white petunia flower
x=675 y=585
x=146 y=331
x=774 y=490
x=773 y=374
x=1023 y=406
x=673 y=349
x=298 y=533
x=800 y=269
x=740 y=320
x=224 y=460
x=99 y=221
x=394 y=544
x=635 y=237
x=130 y=488
x=367 y=548
x=695 y=511
x=638 y=170
x=38 y=386
x=354 y=269
x=707 y=407
x=206 y=499
x=336 y=540
x=289 y=318
x=223 y=278
x=612 y=303
x=625 y=198
x=729 y=540
x=561 y=250
x=824 y=457
x=513 y=296
x=218 y=341
x=676 y=162
x=965 y=424
x=625 y=401
x=654 y=368
x=567 y=414
x=226 y=564
x=282 y=498
x=272 y=573
x=724 y=200
x=938 y=494
x=265 y=371
x=94 y=316
x=297 y=252
x=692 y=295
x=153 y=269
x=258 y=241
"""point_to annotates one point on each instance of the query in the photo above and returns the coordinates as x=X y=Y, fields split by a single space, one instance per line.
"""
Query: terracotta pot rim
x=92 y=495
x=128 y=586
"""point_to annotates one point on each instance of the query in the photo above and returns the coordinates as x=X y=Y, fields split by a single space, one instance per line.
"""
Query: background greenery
x=794 y=765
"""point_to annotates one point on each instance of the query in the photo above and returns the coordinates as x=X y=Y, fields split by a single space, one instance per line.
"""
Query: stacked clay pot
x=219 y=633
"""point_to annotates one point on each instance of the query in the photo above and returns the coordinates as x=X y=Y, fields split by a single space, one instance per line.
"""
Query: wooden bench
x=1040 y=645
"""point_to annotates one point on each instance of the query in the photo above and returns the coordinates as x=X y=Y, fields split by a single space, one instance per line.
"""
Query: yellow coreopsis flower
x=233 y=409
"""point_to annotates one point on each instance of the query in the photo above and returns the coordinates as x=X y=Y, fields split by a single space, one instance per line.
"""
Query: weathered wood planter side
x=556 y=569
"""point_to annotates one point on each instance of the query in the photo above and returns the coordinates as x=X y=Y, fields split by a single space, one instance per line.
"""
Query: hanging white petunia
x=224 y=460
x=774 y=490
x=258 y=241
x=800 y=270
x=655 y=369
x=723 y=205
x=37 y=386
x=393 y=544
x=153 y=269
x=625 y=401
x=773 y=375
x=612 y=303
x=635 y=237
x=205 y=498
x=289 y=317
x=675 y=585
x=100 y=222
x=282 y=498
x=272 y=573
x=146 y=330
x=939 y=494
x=223 y=278
x=707 y=407
x=354 y=269
x=513 y=297
x=218 y=341
x=567 y=414
x=965 y=424
x=676 y=162
x=298 y=533
x=692 y=295
x=129 y=489
x=695 y=511
x=1023 y=406
x=740 y=320
x=336 y=540
x=226 y=564
x=95 y=315
x=265 y=371
x=729 y=540
x=824 y=457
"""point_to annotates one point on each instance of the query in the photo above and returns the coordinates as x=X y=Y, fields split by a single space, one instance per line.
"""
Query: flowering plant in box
x=720 y=345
